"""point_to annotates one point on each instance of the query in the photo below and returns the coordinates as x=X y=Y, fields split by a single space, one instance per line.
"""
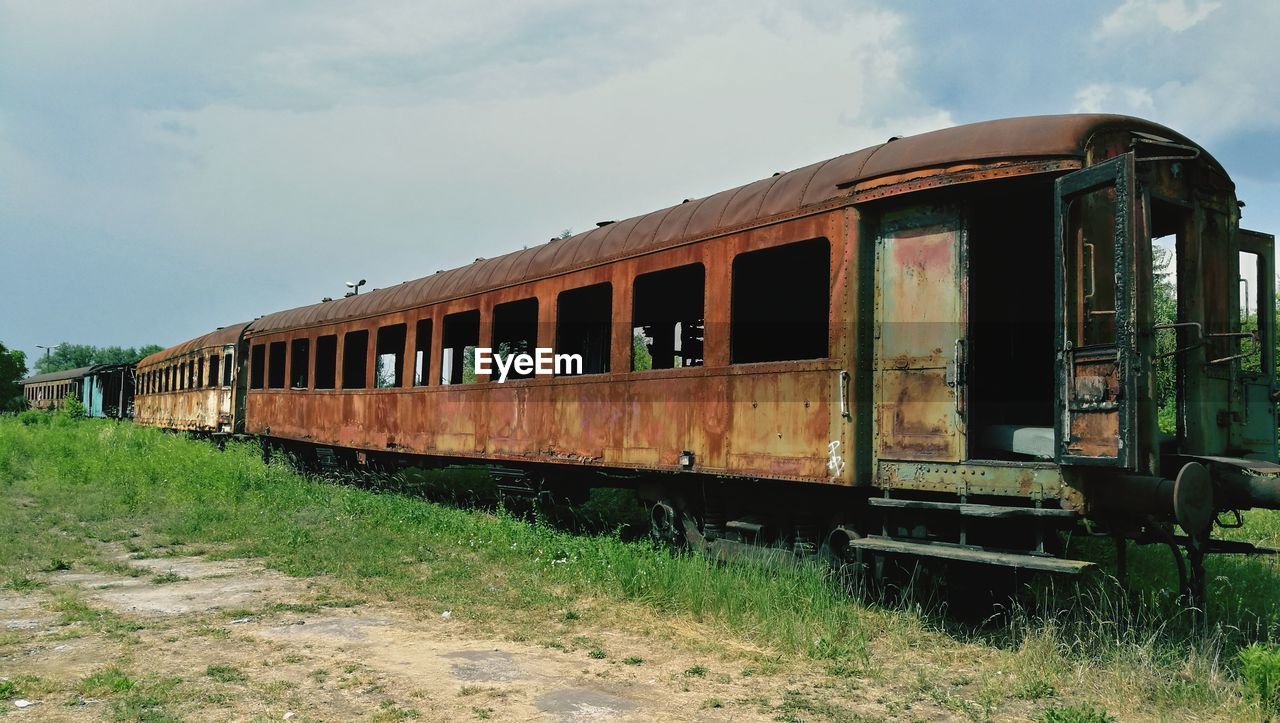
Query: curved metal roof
x=223 y=335
x=1033 y=137
x=56 y=376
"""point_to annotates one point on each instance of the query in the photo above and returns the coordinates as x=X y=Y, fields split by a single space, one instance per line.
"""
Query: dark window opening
x=389 y=356
x=461 y=335
x=227 y=370
x=1091 y=264
x=422 y=353
x=200 y=372
x=257 y=362
x=212 y=368
x=781 y=303
x=584 y=321
x=355 y=355
x=667 y=318
x=275 y=365
x=298 y=363
x=191 y=374
x=326 y=361
x=515 y=331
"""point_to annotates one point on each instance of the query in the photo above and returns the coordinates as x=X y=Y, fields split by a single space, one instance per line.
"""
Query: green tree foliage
x=641 y=359
x=1164 y=300
x=73 y=356
x=13 y=366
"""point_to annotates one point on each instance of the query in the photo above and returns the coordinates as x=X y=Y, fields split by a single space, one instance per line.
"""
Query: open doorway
x=1011 y=322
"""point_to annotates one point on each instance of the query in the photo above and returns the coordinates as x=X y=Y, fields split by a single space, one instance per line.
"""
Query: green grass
x=226 y=674
x=66 y=483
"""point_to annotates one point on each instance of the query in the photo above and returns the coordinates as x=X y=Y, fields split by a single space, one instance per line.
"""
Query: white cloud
x=1112 y=98
x=1142 y=15
x=1205 y=69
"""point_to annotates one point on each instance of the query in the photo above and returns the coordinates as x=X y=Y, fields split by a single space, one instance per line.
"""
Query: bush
x=73 y=408
x=1260 y=672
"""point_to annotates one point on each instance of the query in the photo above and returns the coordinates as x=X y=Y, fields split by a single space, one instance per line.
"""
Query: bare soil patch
x=197 y=638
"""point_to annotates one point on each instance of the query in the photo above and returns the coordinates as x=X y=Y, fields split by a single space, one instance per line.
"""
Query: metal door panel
x=1096 y=343
x=920 y=327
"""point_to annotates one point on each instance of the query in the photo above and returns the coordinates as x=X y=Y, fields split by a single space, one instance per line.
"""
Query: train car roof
x=56 y=376
x=218 y=337
x=783 y=194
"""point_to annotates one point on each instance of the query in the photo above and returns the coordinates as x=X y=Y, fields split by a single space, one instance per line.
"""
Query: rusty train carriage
x=190 y=386
x=979 y=375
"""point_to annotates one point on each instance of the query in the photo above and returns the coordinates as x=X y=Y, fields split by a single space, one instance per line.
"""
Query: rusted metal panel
x=920 y=328
x=1095 y=410
x=1011 y=479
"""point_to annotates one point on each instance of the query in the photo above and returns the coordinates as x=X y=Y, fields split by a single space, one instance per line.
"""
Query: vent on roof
x=478 y=260
x=602 y=224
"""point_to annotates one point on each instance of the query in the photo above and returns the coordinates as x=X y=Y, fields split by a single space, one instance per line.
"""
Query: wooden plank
x=967 y=553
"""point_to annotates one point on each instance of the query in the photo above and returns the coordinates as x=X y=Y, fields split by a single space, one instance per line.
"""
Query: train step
x=970 y=510
x=969 y=553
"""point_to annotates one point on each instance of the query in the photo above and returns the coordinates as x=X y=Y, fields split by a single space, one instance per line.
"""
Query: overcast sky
x=169 y=167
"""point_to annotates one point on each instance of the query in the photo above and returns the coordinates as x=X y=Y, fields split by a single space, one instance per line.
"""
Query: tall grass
x=1136 y=649
x=113 y=479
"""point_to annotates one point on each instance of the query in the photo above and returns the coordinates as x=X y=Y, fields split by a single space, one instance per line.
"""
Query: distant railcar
x=107 y=390
x=50 y=391
x=941 y=346
x=189 y=386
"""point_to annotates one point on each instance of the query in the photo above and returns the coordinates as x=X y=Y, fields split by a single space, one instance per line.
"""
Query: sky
x=168 y=167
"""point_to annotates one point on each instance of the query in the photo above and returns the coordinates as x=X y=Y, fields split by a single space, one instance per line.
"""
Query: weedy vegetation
x=1063 y=654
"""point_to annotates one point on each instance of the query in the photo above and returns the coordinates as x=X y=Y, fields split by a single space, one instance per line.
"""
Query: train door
x=921 y=313
x=1253 y=427
x=1096 y=340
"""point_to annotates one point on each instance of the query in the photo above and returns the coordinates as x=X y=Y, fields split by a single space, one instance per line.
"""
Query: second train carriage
x=944 y=345
x=190 y=386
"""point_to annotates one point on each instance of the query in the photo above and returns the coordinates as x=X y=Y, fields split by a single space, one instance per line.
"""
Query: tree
x=13 y=366
x=73 y=356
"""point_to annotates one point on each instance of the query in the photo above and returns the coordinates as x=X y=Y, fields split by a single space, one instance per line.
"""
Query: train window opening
x=1008 y=357
x=1251 y=270
x=389 y=356
x=227 y=369
x=200 y=372
x=257 y=366
x=584 y=324
x=275 y=364
x=667 y=318
x=214 y=371
x=515 y=331
x=781 y=303
x=326 y=361
x=1167 y=223
x=422 y=353
x=191 y=374
x=299 y=363
x=355 y=357
x=458 y=341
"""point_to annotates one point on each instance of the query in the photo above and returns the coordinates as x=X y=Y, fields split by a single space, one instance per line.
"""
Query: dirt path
x=193 y=638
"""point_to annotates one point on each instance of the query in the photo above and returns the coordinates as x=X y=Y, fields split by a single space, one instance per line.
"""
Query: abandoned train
x=943 y=346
